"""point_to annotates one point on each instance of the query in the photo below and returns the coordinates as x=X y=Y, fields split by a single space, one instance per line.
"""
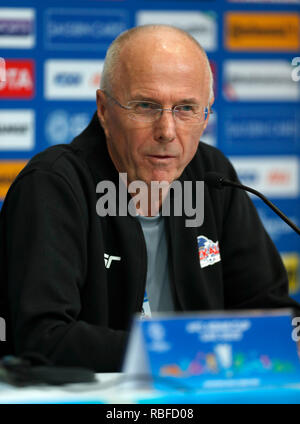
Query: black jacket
x=58 y=297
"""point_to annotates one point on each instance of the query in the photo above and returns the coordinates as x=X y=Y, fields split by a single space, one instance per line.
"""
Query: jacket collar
x=91 y=144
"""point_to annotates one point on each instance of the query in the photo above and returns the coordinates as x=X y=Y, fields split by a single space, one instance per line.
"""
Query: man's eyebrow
x=146 y=98
x=190 y=100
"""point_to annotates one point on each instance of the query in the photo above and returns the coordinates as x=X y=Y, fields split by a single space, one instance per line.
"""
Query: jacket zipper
x=144 y=266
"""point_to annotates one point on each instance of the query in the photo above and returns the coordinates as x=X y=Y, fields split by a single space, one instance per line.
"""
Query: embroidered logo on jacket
x=109 y=258
x=209 y=252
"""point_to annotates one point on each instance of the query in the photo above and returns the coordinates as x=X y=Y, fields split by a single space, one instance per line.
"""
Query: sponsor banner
x=274 y=176
x=284 y=237
x=19 y=83
x=8 y=172
x=83 y=29
x=62 y=125
x=72 y=79
x=17 y=129
x=256 y=129
x=291 y=263
x=210 y=134
x=262 y=31
x=259 y=80
x=2 y=72
x=17 y=28
x=201 y=25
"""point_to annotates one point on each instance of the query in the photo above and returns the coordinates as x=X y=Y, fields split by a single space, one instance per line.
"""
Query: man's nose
x=165 y=127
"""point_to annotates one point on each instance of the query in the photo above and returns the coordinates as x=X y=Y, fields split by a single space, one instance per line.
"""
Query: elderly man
x=71 y=279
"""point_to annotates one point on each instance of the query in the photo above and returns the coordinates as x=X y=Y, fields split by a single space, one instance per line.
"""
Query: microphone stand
x=225 y=182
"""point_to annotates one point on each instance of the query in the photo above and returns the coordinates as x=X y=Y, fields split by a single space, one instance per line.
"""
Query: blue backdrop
x=54 y=52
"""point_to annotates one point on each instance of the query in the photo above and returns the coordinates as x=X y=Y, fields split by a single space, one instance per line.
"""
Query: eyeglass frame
x=172 y=109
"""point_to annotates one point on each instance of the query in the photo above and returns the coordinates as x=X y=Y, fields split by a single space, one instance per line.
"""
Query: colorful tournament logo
x=209 y=252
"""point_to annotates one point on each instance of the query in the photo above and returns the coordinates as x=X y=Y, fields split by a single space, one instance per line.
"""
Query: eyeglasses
x=144 y=111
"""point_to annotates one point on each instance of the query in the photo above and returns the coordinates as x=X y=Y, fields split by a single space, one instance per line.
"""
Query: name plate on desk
x=244 y=349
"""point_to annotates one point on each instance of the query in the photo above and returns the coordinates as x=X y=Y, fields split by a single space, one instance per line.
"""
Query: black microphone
x=216 y=180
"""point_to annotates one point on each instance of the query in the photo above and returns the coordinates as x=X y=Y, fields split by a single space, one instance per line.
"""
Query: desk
x=107 y=389
x=111 y=389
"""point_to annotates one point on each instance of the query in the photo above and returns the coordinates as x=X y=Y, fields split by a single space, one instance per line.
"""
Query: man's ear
x=101 y=108
x=100 y=100
x=210 y=105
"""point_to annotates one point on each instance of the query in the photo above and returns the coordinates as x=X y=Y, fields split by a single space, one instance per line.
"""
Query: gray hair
x=113 y=53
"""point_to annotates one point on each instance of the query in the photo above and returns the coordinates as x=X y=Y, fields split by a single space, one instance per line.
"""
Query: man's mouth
x=162 y=157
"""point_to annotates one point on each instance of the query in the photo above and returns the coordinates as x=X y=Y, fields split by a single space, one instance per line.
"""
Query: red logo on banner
x=19 y=79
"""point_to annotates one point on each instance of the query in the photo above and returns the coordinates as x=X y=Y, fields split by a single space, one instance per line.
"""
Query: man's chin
x=160 y=177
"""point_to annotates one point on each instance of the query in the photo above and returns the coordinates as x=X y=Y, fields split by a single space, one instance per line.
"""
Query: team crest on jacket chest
x=209 y=252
